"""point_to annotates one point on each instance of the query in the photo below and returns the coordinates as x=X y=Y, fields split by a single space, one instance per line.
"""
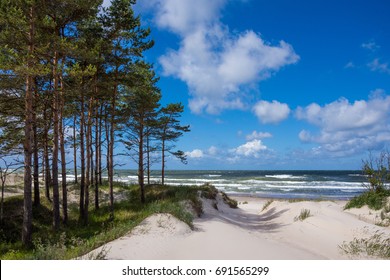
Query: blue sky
x=276 y=84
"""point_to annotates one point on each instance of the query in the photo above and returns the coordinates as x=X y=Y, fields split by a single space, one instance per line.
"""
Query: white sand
x=247 y=233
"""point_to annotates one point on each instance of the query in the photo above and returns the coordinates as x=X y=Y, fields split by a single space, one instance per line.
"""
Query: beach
x=249 y=232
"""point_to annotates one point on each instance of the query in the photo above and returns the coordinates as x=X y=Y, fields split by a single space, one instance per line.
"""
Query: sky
x=282 y=84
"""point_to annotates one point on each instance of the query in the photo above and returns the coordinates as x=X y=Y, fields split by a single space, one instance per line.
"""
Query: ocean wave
x=285 y=176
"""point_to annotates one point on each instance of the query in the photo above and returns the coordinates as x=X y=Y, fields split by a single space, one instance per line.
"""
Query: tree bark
x=37 y=199
x=56 y=197
x=148 y=157
x=141 y=163
x=96 y=156
x=89 y=160
x=82 y=156
x=27 y=200
x=100 y=144
x=111 y=154
x=63 y=157
x=46 y=153
x=75 y=150
x=163 y=162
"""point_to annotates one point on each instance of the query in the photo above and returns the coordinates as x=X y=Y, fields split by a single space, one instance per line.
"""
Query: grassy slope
x=75 y=239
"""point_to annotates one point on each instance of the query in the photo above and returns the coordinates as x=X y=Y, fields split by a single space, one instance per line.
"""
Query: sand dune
x=247 y=233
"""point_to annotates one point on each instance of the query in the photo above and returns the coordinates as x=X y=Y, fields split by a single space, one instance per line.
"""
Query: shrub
x=373 y=199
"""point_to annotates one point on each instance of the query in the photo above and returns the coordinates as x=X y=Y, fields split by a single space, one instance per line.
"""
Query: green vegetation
x=231 y=202
x=377 y=196
x=373 y=199
x=76 y=239
x=305 y=213
x=267 y=204
x=210 y=192
x=76 y=66
x=377 y=172
x=376 y=246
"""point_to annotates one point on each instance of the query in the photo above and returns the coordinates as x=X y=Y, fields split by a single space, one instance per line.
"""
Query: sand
x=248 y=233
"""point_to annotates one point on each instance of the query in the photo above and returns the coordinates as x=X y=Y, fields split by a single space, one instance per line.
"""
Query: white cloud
x=258 y=135
x=372 y=46
x=195 y=154
x=217 y=67
x=347 y=128
x=271 y=112
x=250 y=149
x=183 y=16
x=349 y=65
x=213 y=151
x=375 y=65
x=343 y=115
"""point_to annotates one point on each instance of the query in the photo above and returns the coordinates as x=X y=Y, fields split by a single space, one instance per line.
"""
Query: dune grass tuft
x=305 y=213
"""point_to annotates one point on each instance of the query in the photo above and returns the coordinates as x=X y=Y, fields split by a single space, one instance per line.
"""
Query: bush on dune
x=377 y=172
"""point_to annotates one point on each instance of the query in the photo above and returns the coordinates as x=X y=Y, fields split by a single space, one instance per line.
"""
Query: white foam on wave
x=285 y=176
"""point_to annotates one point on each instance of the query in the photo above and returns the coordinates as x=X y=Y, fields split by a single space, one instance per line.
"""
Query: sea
x=286 y=184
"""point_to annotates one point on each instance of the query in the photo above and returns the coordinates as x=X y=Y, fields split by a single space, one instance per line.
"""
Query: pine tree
x=141 y=105
x=19 y=57
x=170 y=131
x=127 y=42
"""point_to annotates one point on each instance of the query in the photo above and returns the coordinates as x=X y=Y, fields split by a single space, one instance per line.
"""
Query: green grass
x=76 y=239
x=377 y=245
x=209 y=192
x=373 y=199
x=267 y=204
x=229 y=201
x=305 y=213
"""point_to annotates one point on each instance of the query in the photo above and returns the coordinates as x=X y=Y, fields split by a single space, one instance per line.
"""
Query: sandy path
x=246 y=233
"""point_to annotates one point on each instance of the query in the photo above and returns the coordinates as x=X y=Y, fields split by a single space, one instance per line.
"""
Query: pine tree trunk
x=96 y=157
x=148 y=157
x=2 y=200
x=63 y=158
x=89 y=160
x=75 y=150
x=82 y=156
x=46 y=154
x=37 y=199
x=141 y=163
x=100 y=145
x=163 y=162
x=111 y=156
x=56 y=197
x=27 y=200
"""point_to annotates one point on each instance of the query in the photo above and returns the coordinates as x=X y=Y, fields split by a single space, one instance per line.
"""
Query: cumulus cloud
x=195 y=154
x=217 y=66
x=213 y=151
x=258 y=135
x=250 y=149
x=271 y=112
x=347 y=128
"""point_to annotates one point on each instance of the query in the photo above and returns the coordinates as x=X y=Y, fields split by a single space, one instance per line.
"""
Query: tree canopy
x=75 y=66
